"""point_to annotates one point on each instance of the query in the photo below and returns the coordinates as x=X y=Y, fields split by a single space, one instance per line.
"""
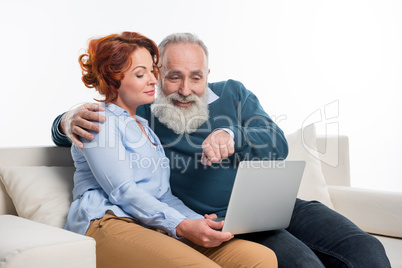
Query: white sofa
x=36 y=183
x=35 y=192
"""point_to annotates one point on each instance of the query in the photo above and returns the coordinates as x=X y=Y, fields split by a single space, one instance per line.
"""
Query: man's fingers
x=83 y=123
x=217 y=146
x=210 y=153
x=224 y=152
x=93 y=116
x=204 y=160
x=77 y=131
x=231 y=147
x=76 y=141
x=95 y=107
x=222 y=143
x=228 y=149
x=217 y=157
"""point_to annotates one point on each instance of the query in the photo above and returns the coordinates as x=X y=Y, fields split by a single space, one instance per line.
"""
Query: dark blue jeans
x=320 y=237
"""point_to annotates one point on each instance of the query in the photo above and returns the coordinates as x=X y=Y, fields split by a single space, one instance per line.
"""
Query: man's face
x=184 y=71
x=183 y=104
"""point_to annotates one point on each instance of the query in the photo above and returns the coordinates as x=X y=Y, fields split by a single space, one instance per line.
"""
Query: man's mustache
x=181 y=98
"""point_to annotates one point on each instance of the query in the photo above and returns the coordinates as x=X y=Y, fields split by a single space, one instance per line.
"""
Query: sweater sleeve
x=61 y=139
x=256 y=135
x=58 y=138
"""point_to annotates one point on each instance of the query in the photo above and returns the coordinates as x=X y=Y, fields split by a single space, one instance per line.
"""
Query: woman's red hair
x=109 y=57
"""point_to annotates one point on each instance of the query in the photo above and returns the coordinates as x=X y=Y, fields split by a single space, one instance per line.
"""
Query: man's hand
x=202 y=233
x=217 y=146
x=76 y=122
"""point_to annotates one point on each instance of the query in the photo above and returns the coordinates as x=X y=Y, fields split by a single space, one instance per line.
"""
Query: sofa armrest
x=26 y=243
x=377 y=212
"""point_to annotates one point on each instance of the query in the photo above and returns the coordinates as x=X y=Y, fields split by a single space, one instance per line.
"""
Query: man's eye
x=197 y=78
x=173 y=77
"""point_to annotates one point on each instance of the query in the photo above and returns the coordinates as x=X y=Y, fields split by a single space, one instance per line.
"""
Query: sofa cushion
x=41 y=194
x=374 y=211
x=31 y=244
x=393 y=248
x=6 y=204
x=302 y=146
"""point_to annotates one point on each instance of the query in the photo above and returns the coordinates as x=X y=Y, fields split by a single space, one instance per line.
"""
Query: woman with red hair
x=121 y=196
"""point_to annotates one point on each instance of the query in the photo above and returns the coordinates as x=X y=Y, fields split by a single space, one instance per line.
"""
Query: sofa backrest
x=30 y=156
x=333 y=149
x=334 y=156
x=36 y=156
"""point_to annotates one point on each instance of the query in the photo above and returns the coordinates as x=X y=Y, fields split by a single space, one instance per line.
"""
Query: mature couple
x=195 y=133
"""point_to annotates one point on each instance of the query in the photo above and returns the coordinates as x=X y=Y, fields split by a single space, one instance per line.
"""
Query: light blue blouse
x=123 y=171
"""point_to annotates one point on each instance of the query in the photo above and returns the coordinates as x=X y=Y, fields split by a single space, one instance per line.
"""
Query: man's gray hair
x=178 y=38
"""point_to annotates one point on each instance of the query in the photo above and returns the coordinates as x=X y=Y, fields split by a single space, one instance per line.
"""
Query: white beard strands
x=181 y=119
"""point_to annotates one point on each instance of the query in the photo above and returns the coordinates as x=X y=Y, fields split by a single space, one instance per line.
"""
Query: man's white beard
x=181 y=119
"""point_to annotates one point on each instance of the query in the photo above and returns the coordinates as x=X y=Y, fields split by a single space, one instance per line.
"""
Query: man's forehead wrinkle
x=197 y=72
x=173 y=71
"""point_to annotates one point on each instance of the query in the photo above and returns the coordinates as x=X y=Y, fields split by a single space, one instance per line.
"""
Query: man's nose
x=185 y=88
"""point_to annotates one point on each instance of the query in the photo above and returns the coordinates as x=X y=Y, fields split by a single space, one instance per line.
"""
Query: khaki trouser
x=122 y=242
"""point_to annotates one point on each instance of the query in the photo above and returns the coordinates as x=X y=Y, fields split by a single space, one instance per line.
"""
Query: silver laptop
x=263 y=196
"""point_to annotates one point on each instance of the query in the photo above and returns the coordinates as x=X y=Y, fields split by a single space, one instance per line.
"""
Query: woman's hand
x=210 y=216
x=203 y=232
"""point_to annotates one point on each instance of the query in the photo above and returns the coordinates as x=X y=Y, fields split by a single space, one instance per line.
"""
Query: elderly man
x=206 y=129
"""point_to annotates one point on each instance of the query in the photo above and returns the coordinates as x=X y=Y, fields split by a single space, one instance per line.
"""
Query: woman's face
x=138 y=84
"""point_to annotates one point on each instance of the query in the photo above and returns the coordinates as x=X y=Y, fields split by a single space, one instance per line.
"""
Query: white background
x=340 y=60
